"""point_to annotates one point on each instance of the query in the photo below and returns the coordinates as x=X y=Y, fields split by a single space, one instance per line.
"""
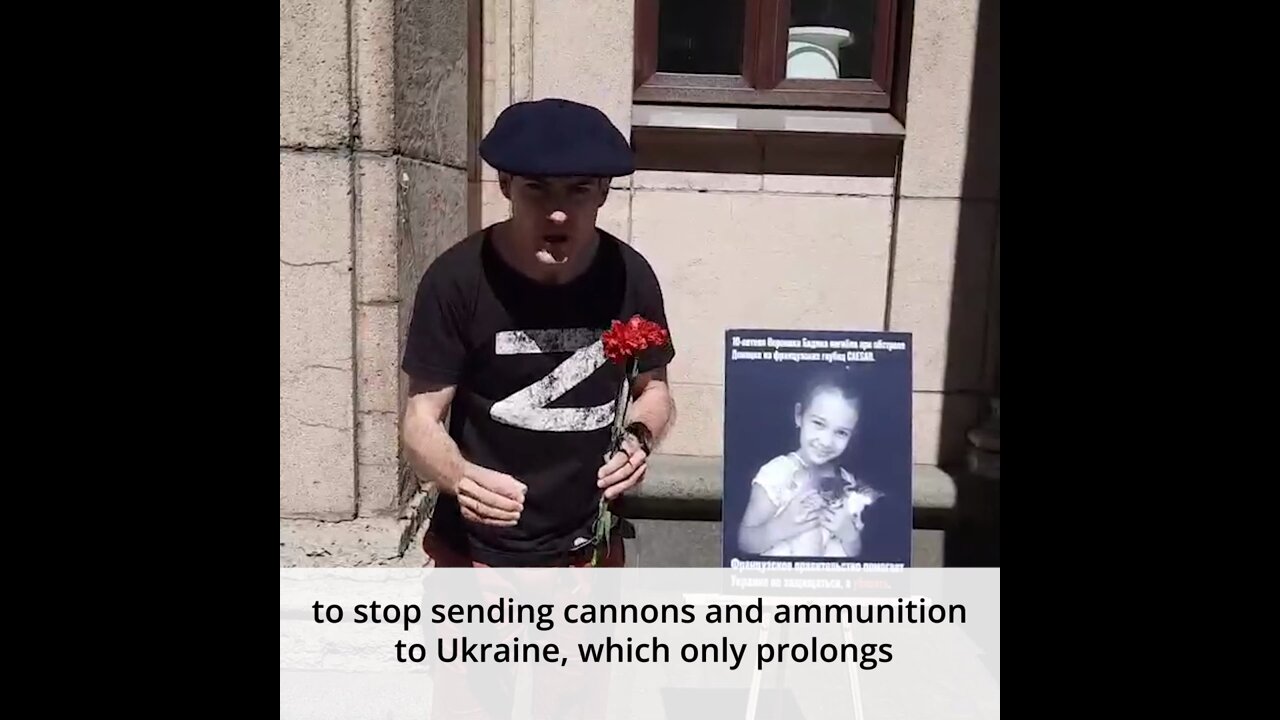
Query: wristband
x=642 y=434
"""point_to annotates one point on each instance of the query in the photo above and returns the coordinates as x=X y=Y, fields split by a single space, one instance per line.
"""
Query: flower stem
x=604 y=516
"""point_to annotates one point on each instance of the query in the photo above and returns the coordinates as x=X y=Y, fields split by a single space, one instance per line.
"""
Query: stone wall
x=373 y=185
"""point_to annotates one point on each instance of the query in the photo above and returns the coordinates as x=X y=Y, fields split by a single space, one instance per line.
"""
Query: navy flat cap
x=556 y=137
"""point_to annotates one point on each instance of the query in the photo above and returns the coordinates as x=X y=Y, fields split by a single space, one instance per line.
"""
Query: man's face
x=554 y=218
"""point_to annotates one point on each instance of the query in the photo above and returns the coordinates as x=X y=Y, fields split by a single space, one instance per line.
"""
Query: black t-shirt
x=535 y=394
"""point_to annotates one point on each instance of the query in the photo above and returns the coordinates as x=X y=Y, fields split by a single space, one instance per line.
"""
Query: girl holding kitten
x=803 y=503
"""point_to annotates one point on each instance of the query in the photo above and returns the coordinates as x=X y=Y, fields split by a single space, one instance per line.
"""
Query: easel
x=757 y=674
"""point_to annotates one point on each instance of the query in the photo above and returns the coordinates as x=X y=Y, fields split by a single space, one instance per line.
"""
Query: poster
x=817 y=448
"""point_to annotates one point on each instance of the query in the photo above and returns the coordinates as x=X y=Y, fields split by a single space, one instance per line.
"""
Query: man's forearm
x=655 y=408
x=431 y=453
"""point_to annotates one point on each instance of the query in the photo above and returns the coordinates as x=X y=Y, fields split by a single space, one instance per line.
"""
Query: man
x=505 y=346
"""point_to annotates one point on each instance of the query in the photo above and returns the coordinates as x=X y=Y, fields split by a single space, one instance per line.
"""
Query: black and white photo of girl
x=818 y=457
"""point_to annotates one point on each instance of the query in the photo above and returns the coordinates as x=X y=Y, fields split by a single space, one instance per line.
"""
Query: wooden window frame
x=764 y=52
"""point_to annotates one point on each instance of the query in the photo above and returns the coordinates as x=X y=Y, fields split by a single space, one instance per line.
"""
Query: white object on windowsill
x=813 y=52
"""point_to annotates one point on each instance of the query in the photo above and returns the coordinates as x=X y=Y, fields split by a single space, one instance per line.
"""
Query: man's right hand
x=485 y=496
x=489 y=497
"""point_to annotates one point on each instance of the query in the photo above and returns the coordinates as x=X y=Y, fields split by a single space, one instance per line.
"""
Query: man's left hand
x=624 y=470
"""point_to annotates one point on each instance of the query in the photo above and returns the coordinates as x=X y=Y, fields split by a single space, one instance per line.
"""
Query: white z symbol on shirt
x=528 y=408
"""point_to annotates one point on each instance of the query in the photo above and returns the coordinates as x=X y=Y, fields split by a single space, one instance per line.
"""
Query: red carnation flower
x=623 y=341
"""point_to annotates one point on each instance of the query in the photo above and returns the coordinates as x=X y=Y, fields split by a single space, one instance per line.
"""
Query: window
x=834 y=54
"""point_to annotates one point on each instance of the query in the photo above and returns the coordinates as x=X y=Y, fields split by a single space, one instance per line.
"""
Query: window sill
x=766 y=141
x=768 y=120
